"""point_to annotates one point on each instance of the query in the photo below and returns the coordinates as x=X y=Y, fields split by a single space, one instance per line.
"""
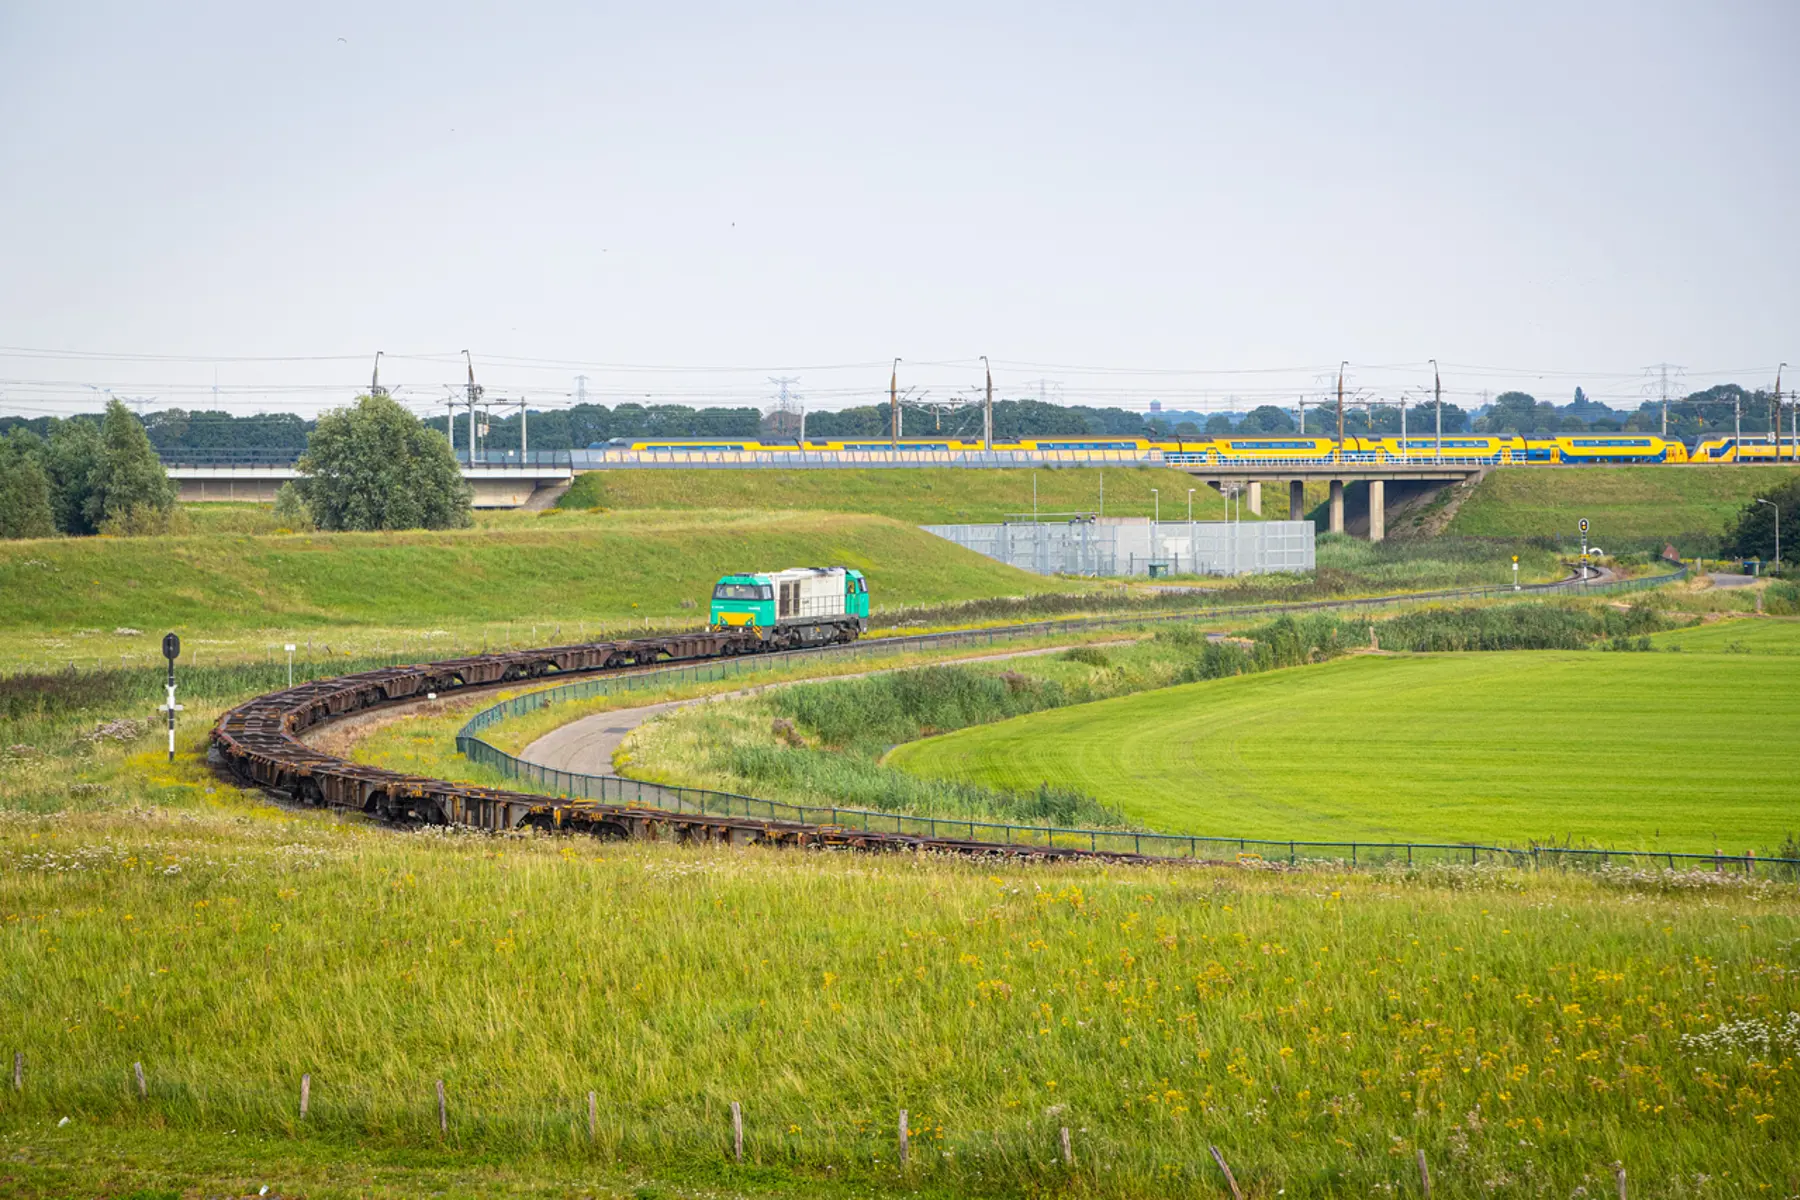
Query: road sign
x=1583 y=525
x=171 y=648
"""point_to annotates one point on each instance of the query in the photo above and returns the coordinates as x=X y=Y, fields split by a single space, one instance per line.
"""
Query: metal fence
x=615 y=789
x=1140 y=547
x=618 y=790
x=903 y=456
x=1361 y=458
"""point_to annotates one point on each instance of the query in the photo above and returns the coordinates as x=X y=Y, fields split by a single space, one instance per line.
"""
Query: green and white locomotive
x=802 y=606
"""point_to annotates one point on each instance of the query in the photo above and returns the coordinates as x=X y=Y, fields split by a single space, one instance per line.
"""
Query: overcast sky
x=1179 y=201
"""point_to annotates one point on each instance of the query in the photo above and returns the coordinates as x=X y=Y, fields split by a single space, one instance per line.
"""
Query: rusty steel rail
x=258 y=742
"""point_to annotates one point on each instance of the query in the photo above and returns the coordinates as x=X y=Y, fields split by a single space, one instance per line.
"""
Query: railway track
x=259 y=743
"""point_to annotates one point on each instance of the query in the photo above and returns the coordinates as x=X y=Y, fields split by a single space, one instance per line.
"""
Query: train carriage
x=801 y=606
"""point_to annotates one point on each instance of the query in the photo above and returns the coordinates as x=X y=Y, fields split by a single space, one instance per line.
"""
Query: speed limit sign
x=1584 y=525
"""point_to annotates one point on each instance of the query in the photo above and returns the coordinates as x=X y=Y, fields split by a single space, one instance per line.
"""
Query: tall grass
x=1519 y=627
x=1524 y=1032
x=900 y=706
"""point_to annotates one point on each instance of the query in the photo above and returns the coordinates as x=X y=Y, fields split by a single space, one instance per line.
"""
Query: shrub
x=1516 y=627
x=1782 y=599
x=145 y=520
x=1091 y=656
x=291 y=510
x=904 y=705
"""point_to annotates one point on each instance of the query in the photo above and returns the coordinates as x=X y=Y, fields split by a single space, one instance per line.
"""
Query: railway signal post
x=1515 y=572
x=171 y=648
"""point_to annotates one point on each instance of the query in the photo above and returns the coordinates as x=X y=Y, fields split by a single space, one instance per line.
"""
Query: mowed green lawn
x=1747 y=635
x=1670 y=751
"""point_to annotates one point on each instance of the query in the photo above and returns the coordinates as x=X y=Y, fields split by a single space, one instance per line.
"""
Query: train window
x=741 y=591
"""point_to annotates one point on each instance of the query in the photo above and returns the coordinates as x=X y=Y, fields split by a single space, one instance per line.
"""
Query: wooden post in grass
x=1619 y=1178
x=443 y=1111
x=143 y=1087
x=305 y=1095
x=737 y=1133
x=593 y=1119
x=1230 y=1181
x=1424 y=1175
x=1068 y=1152
x=18 y=1070
x=905 y=1149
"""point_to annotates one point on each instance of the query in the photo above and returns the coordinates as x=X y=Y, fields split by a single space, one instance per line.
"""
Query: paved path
x=586 y=746
x=1722 y=580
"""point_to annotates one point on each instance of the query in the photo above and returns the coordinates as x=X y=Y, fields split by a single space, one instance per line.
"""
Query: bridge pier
x=1337 y=506
x=1377 y=509
x=1256 y=496
x=1296 y=499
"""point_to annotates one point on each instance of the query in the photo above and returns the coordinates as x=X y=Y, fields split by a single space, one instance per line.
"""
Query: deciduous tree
x=25 y=508
x=374 y=466
x=128 y=481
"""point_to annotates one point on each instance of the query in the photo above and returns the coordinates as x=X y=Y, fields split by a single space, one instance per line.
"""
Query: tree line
x=83 y=477
x=1719 y=409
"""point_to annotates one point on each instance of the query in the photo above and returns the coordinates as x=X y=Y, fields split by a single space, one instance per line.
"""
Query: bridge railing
x=520 y=460
x=230 y=458
x=1353 y=458
x=502 y=459
x=604 y=459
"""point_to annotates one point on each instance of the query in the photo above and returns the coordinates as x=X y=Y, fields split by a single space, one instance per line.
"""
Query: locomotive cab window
x=741 y=591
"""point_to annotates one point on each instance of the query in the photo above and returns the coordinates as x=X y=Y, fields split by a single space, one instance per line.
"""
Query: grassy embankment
x=1660 y=750
x=1628 y=507
x=523 y=581
x=1316 y=1027
x=919 y=496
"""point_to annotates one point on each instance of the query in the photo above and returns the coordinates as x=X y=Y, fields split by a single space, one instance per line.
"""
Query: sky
x=1208 y=205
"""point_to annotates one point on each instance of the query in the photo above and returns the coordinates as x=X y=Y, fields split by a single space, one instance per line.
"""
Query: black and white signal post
x=172 y=651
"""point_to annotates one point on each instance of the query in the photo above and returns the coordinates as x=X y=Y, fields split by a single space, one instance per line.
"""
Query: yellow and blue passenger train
x=1572 y=448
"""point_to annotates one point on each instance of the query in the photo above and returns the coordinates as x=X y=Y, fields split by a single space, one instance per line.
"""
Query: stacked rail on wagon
x=258 y=742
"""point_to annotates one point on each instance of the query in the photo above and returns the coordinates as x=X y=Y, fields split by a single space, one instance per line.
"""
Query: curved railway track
x=259 y=743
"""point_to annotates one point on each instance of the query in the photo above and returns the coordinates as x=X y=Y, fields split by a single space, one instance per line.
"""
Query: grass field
x=1763 y=635
x=1666 y=751
x=924 y=496
x=1628 y=507
x=1317 y=1027
x=568 y=571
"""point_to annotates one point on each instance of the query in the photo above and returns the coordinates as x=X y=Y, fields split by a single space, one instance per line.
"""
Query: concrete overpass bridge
x=1409 y=477
x=255 y=475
